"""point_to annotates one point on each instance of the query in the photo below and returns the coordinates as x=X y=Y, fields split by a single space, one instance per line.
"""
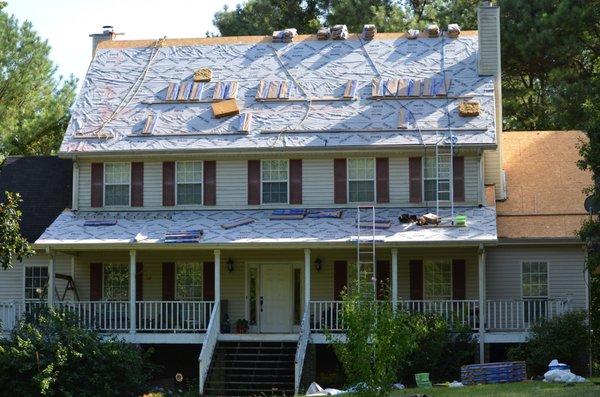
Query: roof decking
x=127 y=82
x=69 y=228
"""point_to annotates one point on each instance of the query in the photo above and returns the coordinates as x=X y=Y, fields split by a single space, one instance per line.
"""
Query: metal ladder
x=365 y=251
x=444 y=173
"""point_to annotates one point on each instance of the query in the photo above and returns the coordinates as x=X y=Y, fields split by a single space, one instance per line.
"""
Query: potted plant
x=241 y=326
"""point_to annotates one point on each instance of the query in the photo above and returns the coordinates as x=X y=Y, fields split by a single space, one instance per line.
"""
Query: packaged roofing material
x=412 y=34
x=188 y=236
x=339 y=32
x=284 y=36
x=288 y=214
x=150 y=124
x=433 y=30
x=369 y=32
x=350 y=90
x=453 y=30
x=468 y=109
x=237 y=222
x=323 y=33
x=245 y=122
x=202 y=75
x=101 y=222
x=331 y=214
x=225 y=108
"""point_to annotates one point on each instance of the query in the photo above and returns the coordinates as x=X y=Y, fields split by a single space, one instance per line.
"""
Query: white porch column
x=306 y=275
x=51 y=280
x=394 y=278
x=218 y=282
x=482 y=304
x=132 y=288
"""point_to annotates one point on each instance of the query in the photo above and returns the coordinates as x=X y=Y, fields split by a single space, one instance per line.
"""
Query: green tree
x=13 y=246
x=35 y=105
x=48 y=354
x=378 y=340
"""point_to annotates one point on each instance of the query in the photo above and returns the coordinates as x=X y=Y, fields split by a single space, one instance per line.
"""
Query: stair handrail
x=301 y=347
x=208 y=346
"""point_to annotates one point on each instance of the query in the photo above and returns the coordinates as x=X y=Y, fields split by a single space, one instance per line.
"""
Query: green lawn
x=523 y=389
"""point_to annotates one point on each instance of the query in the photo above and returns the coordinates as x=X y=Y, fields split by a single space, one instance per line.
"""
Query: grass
x=522 y=389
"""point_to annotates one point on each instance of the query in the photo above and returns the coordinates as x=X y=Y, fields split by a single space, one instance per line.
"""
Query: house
x=233 y=178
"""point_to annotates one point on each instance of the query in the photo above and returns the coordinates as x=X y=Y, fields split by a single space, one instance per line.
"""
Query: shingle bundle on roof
x=339 y=32
x=285 y=35
x=369 y=32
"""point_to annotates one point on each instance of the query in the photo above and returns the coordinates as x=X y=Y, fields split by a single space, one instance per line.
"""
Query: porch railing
x=208 y=346
x=173 y=316
x=109 y=316
x=9 y=315
x=500 y=315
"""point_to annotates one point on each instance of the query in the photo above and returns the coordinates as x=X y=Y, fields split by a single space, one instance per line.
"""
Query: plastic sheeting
x=124 y=86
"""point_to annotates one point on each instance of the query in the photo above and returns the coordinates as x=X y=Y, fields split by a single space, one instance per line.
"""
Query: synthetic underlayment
x=69 y=227
x=124 y=86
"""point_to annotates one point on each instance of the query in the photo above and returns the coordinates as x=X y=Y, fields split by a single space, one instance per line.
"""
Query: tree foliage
x=34 y=104
x=49 y=355
x=13 y=246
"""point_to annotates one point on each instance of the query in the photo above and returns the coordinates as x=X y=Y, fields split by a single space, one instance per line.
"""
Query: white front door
x=276 y=298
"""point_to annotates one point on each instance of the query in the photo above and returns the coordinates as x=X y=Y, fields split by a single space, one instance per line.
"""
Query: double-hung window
x=431 y=181
x=36 y=278
x=535 y=290
x=189 y=182
x=361 y=180
x=437 y=279
x=115 y=281
x=117 y=177
x=274 y=180
x=188 y=281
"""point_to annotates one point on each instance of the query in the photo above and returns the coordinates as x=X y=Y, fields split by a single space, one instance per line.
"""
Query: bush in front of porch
x=565 y=338
x=49 y=354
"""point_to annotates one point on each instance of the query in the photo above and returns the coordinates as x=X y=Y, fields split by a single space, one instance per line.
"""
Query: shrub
x=48 y=354
x=442 y=348
x=378 y=339
x=564 y=338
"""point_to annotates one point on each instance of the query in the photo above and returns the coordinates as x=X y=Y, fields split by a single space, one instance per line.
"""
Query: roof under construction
x=388 y=92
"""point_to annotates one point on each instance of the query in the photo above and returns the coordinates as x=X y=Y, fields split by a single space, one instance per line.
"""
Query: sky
x=66 y=24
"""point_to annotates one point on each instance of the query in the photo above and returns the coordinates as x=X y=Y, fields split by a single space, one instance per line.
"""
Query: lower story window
x=437 y=280
x=36 y=278
x=535 y=290
x=116 y=281
x=188 y=281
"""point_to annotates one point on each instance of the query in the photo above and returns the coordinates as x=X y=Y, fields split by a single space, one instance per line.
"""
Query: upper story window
x=36 y=278
x=535 y=279
x=274 y=180
x=361 y=180
x=437 y=279
x=430 y=178
x=117 y=178
x=188 y=281
x=189 y=182
x=115 y=281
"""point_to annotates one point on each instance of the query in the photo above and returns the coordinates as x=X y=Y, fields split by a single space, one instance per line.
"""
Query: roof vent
x=488 y=21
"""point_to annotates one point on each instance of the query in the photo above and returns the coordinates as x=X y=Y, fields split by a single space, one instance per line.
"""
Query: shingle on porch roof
x=127 y=82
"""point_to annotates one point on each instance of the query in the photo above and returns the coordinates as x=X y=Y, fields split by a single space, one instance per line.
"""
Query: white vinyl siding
x=317 y=181
x=117 y=180
x=188 y=177
x=274 y=181
x=361 y=180
x=399 y=180
x=153 y=184
x=85 y=184
x=232 y=178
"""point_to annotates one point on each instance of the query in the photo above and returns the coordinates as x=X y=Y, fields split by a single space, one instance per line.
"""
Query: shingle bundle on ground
x=493 y=373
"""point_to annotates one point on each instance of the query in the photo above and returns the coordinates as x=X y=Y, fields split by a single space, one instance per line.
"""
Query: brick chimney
x=108 y=33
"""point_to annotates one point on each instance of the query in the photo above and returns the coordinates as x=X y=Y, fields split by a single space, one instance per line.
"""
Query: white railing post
x=306 y=276
x=51 y=280
x=218 y=283
x=394 y=278
x=132 y=288
x=481 y=266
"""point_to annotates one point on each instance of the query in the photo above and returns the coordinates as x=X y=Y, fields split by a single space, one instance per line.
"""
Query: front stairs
x=252 y=369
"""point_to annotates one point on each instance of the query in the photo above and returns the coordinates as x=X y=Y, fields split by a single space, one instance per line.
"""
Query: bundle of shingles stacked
x=324 y=33
x=339 y=32
x=369 y=32
x=453 y=30
x=285 y=35
x=433 y=30
x=412 y=34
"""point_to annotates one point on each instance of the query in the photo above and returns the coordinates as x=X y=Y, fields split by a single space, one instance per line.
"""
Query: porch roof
x=70 y=229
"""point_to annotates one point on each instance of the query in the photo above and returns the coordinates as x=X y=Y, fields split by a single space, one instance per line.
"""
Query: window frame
x=528 y=297
x=287 y=182
x=423 y=184
x=38 y=299
x=190 y=183
x=348 y=160
x=201 y=285
x=104 y=284
x=433 y=261
x=105 y=184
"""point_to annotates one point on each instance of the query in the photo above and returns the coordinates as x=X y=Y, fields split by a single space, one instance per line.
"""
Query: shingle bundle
x=453 y=30
x=412 y=34
x=369 y=32
x=339 y=32
x=323 y=33
x=493 y=373
x=433 y=30
x=285 y=35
